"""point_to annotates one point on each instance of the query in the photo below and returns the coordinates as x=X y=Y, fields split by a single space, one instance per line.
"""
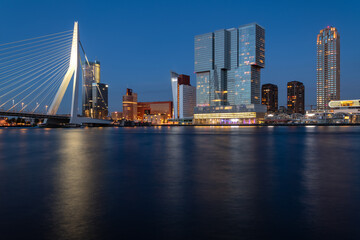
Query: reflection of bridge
x=35 y=74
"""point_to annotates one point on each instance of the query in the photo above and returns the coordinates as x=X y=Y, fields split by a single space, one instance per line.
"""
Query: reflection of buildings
x=269 y=97
x=100 y=100
x=147 y=110
x=295 y=97
x=91 y=74
x=94 y=93
x=130 y=105
x=227 y=66
x=328 y=67
x=184 y=96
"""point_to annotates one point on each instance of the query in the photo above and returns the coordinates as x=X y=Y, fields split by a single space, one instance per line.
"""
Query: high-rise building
x=130 y=105
x=328 y=67
x=269 y=97
x=187 y=101
x=295 y=97
x=184 y=96
x=91 y=74
x=227 y=67
x=100 y=100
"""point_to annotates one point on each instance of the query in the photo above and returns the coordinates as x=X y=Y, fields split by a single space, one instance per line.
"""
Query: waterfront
x=180 y=183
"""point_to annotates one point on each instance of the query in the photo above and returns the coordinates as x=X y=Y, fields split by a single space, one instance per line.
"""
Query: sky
x=139 y=42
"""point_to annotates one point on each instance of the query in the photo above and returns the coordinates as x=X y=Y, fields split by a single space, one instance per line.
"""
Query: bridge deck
x=33 y=115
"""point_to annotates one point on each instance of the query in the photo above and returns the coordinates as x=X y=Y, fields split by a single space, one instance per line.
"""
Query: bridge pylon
x=72 y=72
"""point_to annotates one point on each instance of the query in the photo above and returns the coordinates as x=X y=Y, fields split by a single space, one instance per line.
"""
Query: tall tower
x=91 y=74
x=72 y=72
x=228 y=64
x=328 y=67
x=177 y=81
x=269 y=97
x=130 y=105
x=295 y=97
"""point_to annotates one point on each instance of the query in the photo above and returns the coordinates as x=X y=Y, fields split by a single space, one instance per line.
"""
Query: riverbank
x=208 y=125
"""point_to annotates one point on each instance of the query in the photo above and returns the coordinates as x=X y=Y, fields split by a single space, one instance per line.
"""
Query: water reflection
x=77 y=184
x=180 y=183
x=330 y=181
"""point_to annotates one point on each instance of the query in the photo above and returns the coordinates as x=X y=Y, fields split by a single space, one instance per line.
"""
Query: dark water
x=180 y=183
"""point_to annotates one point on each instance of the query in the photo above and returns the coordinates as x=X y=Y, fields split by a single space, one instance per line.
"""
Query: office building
x=328 y=67
x=227 y=66
x=91 y=74
x=130 y=105
x=164 y=109
x=295 y=97
x=184 y=96
x=100 y=100
x=187 y=101
x=269 y=97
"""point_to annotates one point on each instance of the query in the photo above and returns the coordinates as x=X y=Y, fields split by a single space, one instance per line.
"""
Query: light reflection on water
x=75 y=186
x=180 y=183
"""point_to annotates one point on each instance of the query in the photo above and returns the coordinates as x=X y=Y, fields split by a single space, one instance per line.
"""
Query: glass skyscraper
x=91 y=74
x=228 y=64
x=328 y=67
x=100 y=100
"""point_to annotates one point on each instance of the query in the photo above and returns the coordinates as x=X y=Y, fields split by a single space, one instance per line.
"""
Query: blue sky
x=139 y=42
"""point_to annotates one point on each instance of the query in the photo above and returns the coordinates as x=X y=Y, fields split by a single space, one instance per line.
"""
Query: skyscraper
x=295 y=97
x=269 y=97
x=227 y=67
x=130 y=105
x=328 y=67
x=187 y=101
x=100 y=100
x=184 y=96
x=91 y=74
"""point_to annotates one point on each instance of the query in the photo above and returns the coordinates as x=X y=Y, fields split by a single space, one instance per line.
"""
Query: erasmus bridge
x=35 y=74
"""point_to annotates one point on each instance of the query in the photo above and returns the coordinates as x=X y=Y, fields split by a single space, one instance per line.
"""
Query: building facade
x=187 y=101
x=147 y=109
x=184 y=96
x=269 y=97
x=130 y=105
x=227 y=66
x=91 y=74
x=295 y=97
x=116 y=116
x=328 y=67
x=100 y=100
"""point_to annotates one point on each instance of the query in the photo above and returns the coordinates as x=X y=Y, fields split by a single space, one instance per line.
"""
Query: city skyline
x=156 y=87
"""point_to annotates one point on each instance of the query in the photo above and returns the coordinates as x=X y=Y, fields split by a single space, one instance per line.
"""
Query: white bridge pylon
x=73 y=71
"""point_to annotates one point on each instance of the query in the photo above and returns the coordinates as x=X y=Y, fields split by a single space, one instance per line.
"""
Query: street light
x=46 y=107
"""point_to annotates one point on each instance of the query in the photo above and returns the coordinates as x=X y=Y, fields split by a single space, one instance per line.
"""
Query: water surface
x=180 y=183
